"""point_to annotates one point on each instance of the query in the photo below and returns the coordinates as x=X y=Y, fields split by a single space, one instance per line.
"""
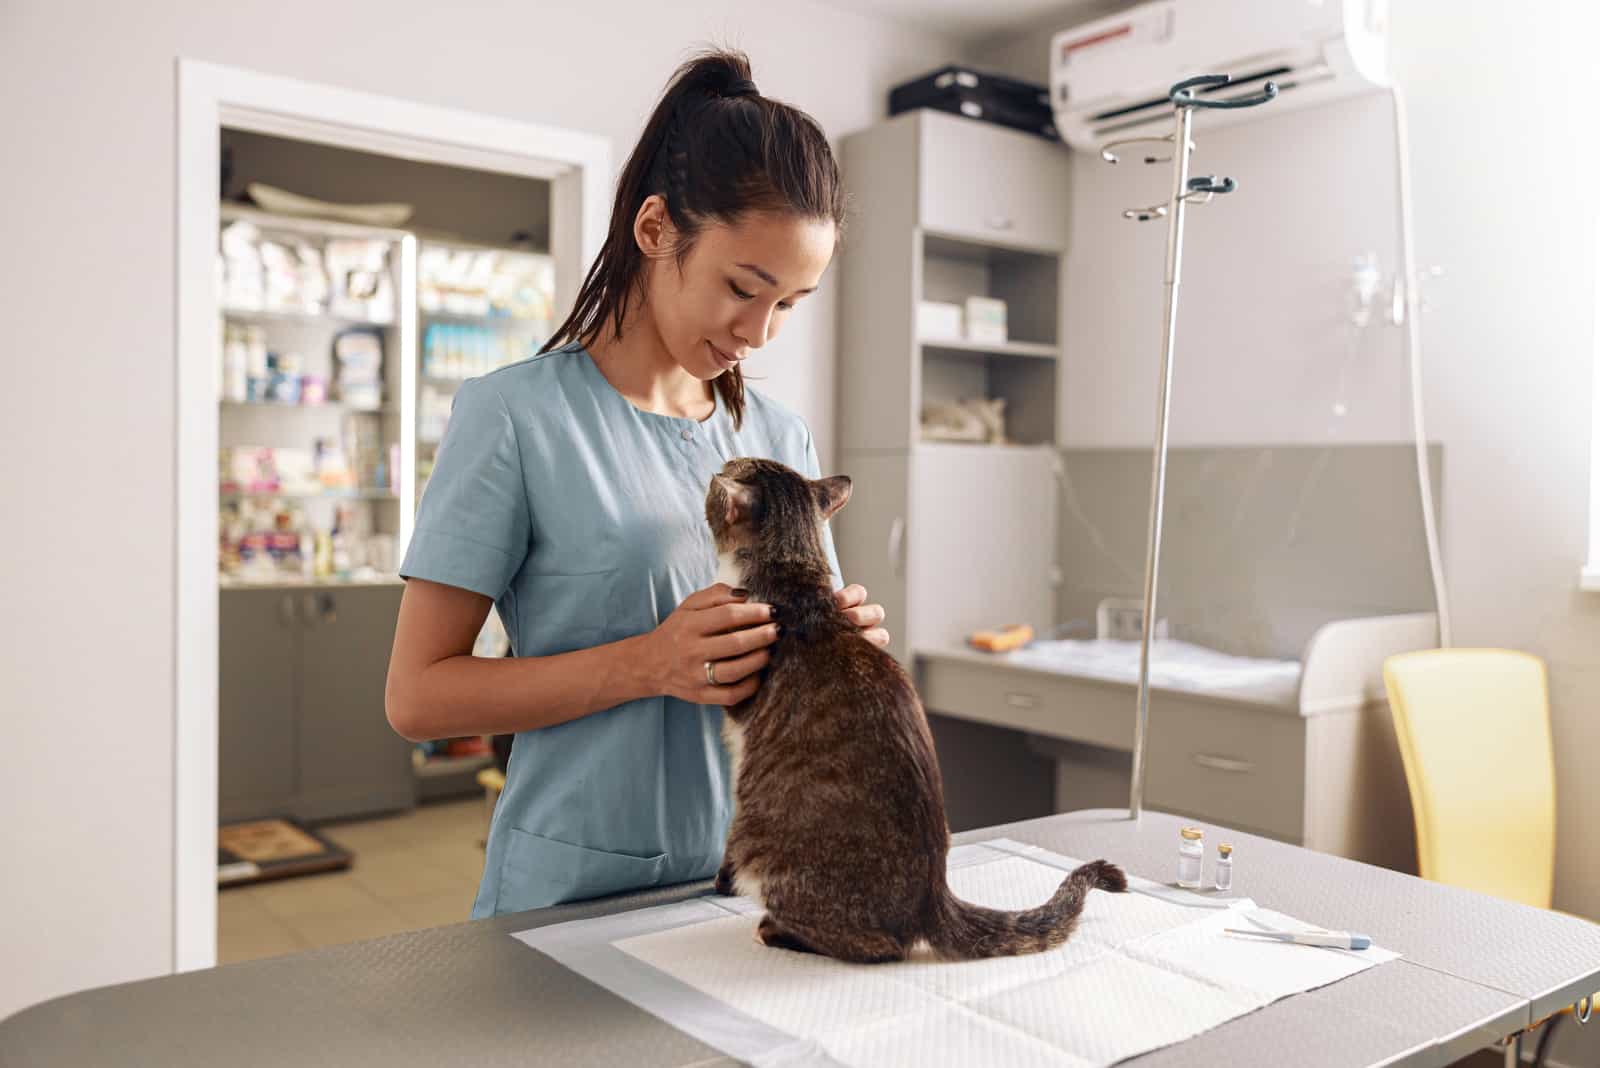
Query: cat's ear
x=737 y=499
x=831 y=494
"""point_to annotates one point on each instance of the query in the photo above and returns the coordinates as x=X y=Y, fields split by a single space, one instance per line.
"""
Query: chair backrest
x=1474 y=733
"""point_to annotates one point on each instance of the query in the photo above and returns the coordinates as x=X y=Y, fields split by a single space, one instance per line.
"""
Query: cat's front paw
x=724 y=883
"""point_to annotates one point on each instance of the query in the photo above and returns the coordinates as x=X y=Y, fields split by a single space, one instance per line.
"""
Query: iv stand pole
x=1158 y=477
x=1183 y=97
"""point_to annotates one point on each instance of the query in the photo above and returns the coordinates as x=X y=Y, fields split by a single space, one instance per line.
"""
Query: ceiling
x=978 y=20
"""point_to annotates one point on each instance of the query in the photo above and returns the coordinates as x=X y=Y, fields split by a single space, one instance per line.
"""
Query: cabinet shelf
x=314 y=495
x=264 y=315
x=326 y=406
x=497 y=322
x=986 y=250
x=297 y=585
x=993 y=348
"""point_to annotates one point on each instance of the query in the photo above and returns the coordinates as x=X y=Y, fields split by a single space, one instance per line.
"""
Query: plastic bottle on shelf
x=235 y=364
x=257 y=375
x=307 y=546
x=322 y=556
x=456 y=353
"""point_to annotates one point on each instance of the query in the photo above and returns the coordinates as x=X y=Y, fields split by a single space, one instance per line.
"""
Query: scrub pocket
x=568 y=612
x=540 y=871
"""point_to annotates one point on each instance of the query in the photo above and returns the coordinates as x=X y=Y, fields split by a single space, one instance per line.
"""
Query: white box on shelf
x=986 y=319
x=938 y=320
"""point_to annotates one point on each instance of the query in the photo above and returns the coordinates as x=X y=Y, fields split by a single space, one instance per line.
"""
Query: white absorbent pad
x=1174 y=664
x=1144 y=970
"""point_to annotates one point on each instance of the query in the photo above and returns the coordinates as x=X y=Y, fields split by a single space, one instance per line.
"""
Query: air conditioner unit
x=1109 y=78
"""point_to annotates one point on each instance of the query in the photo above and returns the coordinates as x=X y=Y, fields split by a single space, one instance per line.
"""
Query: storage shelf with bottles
x=317 y=330
x=481 y=308
x=342 y=347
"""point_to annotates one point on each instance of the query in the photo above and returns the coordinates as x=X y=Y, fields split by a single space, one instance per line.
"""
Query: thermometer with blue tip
x=1332 y=939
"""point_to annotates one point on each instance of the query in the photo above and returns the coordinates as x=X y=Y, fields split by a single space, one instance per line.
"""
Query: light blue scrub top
x=584 y=518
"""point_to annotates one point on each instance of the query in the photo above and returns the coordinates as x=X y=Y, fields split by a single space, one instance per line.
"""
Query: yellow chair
x=1474 y=733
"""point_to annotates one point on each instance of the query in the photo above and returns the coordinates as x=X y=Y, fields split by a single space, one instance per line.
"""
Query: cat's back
x=837 y=690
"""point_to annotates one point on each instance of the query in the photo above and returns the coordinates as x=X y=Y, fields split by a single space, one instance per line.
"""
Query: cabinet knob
x=286 y=610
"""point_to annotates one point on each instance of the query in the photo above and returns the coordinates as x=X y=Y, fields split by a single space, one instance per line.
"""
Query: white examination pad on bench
x=1144 y=970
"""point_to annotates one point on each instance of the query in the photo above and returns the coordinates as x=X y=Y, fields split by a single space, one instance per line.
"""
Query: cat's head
x=753 y=502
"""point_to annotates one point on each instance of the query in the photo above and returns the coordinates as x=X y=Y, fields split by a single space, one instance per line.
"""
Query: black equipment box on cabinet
x=986 y=97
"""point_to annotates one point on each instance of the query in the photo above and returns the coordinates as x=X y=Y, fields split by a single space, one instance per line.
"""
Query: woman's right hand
x=718 y=625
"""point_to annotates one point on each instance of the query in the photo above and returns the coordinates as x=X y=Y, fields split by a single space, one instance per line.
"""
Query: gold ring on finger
x=711 y=673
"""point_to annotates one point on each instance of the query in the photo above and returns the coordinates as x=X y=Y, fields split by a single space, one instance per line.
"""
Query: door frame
x=211 y=96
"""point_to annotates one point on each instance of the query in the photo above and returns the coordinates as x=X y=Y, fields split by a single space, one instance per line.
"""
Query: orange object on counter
x=1003 y=640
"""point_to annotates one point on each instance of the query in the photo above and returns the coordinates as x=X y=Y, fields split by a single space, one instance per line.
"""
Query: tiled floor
x=415 y=870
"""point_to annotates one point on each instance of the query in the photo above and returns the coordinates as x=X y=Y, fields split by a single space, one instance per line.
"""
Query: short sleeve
x=473 y=526
x=813 y=470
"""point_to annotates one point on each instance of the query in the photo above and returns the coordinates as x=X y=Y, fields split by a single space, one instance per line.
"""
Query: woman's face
x=736 y=286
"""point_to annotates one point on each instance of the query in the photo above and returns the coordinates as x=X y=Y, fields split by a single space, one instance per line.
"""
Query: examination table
x=1473 y=970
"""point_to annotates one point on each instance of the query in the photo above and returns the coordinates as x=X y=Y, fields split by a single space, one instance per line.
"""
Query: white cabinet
x=950 y=537
x=986 y=183
x=980 y=542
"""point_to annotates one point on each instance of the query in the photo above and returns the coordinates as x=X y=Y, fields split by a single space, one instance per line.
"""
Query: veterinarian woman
x=570 y=493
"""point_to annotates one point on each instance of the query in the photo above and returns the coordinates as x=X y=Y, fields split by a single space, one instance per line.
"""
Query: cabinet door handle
x=1222 y=763
x=1000 y=222
x=327 y=608
x=1022 y=700
x=308 y=608
x=286 y=610
x=897 y=546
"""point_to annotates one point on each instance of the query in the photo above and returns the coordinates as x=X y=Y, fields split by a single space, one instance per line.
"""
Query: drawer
x=1237 y=766
x=1057 y=706
x=992 y=184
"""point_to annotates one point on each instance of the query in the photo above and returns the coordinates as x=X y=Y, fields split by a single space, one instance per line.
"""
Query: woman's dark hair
x=715 y=149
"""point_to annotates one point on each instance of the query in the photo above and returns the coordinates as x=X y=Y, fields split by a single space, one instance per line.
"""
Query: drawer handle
x=1000 y=222
x=1222 y=763
x=1022 y=700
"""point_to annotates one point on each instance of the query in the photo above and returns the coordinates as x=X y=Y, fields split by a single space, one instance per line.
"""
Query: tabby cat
x=839 y=826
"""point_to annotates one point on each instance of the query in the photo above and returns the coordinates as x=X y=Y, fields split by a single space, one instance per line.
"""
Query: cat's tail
x=963 y=931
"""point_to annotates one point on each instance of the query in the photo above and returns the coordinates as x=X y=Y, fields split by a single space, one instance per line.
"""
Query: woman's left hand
x=866 y=616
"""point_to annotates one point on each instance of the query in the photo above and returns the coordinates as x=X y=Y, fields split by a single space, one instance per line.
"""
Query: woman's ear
x=652 y=226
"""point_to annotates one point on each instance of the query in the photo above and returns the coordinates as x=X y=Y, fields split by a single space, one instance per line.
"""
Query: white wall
x=1501 y=114
x=86 y=412
x=1262 y=301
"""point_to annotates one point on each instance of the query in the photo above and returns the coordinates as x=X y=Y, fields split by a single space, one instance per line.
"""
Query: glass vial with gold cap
x=1224 y=876
x=1191 y=852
